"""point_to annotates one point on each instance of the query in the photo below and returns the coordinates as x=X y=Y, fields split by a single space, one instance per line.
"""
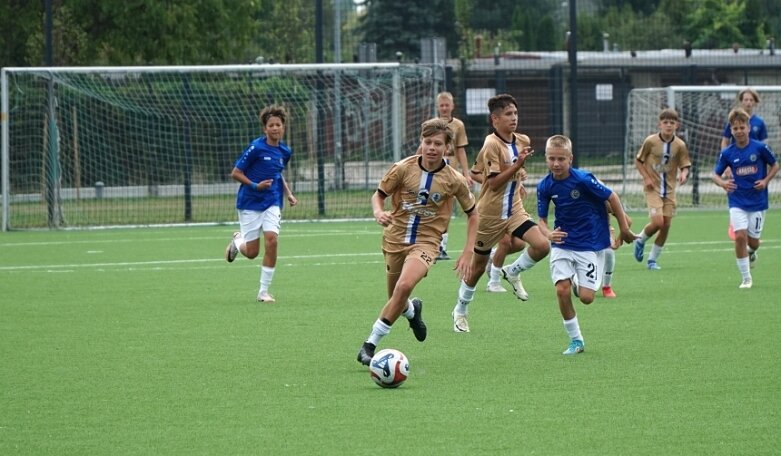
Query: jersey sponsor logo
x=418 y=210
x=745 y=170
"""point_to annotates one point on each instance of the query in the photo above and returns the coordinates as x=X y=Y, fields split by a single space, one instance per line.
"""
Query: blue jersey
x=259 y=162
x=580 y=209
x=748 y=165
x=757 y=129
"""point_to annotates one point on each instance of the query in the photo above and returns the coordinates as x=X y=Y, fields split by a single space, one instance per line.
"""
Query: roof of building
x=516 y=60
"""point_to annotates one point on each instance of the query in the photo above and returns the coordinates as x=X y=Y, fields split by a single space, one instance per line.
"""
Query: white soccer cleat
x=747 y=283
x=460 y=324
x=263 y=296
x=231 y=250
x=495 y=287
x=515 y=281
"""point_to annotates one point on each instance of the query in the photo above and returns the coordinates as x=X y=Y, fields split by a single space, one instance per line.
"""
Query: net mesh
x=140 y=146
x=703 y=112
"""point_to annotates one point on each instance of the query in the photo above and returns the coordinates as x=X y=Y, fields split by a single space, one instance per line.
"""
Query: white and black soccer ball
x=389 y=368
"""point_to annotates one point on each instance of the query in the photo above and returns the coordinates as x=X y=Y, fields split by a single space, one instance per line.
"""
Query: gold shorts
x=396 y=255
x=656 y=204
x=491 y=230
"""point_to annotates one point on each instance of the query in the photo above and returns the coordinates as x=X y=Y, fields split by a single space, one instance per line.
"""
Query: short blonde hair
x=558 y=141
x=738 y=115
x=446 y=95
x=432 y=127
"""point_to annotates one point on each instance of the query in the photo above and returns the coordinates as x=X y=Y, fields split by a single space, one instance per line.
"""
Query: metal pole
x=337 y=117
x=573 y=81
x=319 y=111
x=396 y=115
x=4 y=153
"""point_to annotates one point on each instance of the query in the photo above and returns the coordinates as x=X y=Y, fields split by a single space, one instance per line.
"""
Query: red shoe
x=608 y=292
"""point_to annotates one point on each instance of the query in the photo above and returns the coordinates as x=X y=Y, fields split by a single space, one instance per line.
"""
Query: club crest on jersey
x=574 y=194
x=436 y=197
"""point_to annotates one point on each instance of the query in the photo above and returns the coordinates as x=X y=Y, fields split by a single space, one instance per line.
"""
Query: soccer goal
x=703 y=111
x=86 y=147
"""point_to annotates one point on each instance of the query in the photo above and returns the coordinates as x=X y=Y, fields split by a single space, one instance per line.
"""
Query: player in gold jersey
x=456 y=152
x=500 y=163
x=659 y=161
x=421 y=188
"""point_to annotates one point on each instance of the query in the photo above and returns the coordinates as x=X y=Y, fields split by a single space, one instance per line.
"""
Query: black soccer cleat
x=366 y=353
x=416 y=322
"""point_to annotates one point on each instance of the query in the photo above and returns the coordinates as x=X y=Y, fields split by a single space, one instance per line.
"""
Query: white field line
x=285 y=235
x=326 y=259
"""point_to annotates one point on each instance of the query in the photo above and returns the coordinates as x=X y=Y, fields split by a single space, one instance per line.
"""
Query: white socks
x=465 y=296
x=655 y=252
x=743 y=267
x=523 y=263
x=610 y=265
x=266 y=274
x=409 y=312
x=573 y=328
x=496 y=274
x=379 y=330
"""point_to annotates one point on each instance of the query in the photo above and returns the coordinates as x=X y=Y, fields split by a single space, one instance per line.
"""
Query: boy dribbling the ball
x=421 y=188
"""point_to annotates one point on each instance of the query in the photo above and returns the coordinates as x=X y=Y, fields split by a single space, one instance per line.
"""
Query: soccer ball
x=389 y=368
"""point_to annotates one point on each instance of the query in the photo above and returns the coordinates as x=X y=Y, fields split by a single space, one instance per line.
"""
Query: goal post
x=106 y=146
x=703 y=112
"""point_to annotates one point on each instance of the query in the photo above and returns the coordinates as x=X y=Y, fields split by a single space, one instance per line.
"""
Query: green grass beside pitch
x=146 y=342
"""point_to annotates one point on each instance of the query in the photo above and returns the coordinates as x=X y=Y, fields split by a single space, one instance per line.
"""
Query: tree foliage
x=716 y=24
x=398 y=26
x=149 y=32
x=152 y=32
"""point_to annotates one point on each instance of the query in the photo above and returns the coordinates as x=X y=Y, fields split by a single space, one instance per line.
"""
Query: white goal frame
x=396 y=107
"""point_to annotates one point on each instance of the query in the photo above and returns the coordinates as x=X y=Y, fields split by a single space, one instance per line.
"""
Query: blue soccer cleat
x=575 y=346
x=639 y=247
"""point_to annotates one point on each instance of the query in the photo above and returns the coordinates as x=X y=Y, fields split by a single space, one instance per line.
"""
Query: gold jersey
x=458 y=130
x=495 y=156
x=421 y=201
x=662 y=159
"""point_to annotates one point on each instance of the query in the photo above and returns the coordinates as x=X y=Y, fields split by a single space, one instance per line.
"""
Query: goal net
x=87 y=147
x=703 y=112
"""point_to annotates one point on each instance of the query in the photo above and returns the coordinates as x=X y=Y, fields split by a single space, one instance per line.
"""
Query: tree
x=398 y=26
x=18 y=20
x=716 y=23
x=286 y=30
